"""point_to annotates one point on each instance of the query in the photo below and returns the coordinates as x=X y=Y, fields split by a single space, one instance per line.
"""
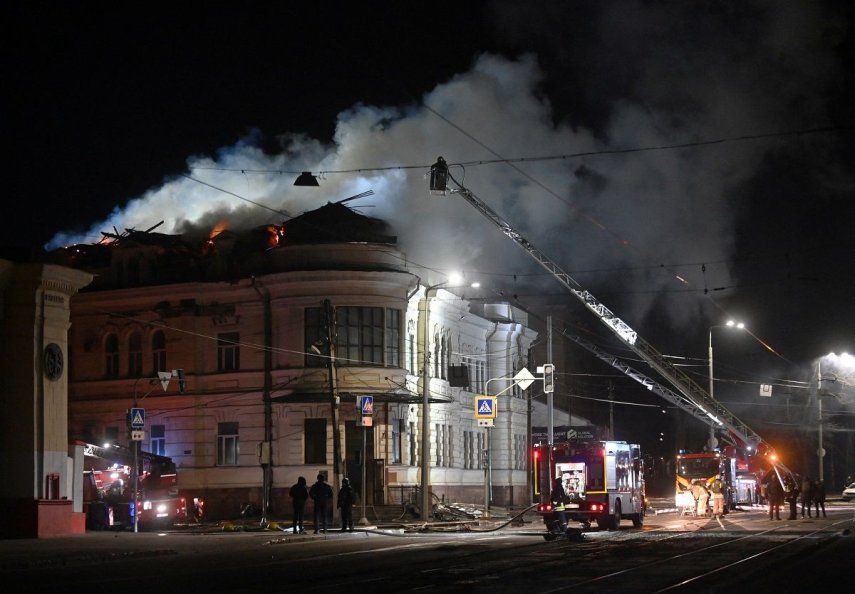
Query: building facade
x=219 y=326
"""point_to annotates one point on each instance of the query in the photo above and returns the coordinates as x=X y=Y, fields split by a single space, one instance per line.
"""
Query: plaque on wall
x=53 y=361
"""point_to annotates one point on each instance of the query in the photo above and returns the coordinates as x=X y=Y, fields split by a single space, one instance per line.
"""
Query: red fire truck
x=108 y=489
x=603 y=481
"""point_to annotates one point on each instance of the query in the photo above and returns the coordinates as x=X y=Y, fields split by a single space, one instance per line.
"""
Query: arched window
x=158 y=352
x=111 y=356
x=445 y=356
x=437 y=355
x=134 y=355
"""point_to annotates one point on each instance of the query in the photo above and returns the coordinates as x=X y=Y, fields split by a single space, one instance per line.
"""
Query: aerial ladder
x=689 y=396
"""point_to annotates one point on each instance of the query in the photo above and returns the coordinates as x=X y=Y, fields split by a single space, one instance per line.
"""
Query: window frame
x=228 y=351
x=228 y=432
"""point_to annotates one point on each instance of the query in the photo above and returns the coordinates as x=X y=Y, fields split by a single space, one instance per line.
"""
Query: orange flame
x=218 y=228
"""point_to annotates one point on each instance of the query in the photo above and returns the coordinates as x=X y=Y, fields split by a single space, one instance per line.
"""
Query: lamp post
x=454 y=279
x=728 y=324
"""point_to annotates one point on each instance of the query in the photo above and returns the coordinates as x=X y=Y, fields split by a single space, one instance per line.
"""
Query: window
x=393 y=337
x=398 y=428
x=438 y=446
x=228 y=351
x=134 y=355
x=466 y=449
x=362 y=335
x=412 y=434
x=437 y=353
x=158 y=352
x=315 y=441
x=111 y=356
x=449 y=443
x=411 y=349
x=443 y=370
x=158 y=440
x=228 y=446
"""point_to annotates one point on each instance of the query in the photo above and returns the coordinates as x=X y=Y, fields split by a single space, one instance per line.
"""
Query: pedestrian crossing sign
x=485 y=407
x=137 y=417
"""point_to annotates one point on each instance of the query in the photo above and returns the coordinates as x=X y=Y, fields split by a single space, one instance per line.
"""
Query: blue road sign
x=485 y=407
x=137 y=418
x=366 y=405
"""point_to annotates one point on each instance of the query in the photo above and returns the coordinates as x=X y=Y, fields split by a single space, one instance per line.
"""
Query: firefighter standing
x=718 y=498
x=775 y=495
x=558 y=498
x=702 y=496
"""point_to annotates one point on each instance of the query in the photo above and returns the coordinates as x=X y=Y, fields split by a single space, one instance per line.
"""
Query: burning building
x=244 y=315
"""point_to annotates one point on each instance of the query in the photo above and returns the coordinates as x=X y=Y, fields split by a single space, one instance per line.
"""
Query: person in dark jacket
x=299 y=494
x=346 y=497
x=321 y=494
x=791 y=491
x=807 y=495
x=775 y=496
x=558 y=497
x=819 y=497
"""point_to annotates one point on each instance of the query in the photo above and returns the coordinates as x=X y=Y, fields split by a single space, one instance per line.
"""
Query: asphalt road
x=745 y=551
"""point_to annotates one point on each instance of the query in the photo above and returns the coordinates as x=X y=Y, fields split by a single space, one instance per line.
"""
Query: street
x=671 y=552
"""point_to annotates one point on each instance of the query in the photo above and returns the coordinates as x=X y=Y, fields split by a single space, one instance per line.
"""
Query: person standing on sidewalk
x=791 y=489
x=775 y=496
x=299 y=494
x=321 y=494
x=807 y=495
x=346 y=498
x=819 y=497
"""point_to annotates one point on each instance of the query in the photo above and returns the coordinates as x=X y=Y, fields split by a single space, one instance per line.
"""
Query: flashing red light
x=536 y=454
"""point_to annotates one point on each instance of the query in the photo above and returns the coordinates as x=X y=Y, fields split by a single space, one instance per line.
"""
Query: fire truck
x=705 y=467
x=108 y=499
x=603 y=482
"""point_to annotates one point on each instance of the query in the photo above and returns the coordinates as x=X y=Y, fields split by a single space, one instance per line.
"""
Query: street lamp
x=728 y=324
x=455 y=279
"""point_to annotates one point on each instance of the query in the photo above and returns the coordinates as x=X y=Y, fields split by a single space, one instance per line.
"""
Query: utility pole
x=819 y=451
x=266 y=452
x=329 y=315
x=550 y=420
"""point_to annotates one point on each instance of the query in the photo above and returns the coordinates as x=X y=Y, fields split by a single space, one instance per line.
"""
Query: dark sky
x=106 y=103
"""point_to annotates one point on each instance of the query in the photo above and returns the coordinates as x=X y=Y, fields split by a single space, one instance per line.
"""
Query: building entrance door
x=354 y=458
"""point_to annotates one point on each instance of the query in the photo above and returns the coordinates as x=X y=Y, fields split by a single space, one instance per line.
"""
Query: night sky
x=106 y=104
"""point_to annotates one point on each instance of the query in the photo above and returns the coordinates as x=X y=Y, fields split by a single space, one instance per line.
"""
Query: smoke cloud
x=696 y=78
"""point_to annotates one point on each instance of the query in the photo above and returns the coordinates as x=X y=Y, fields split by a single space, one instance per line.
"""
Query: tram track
x=707 y=572
x=726 y=566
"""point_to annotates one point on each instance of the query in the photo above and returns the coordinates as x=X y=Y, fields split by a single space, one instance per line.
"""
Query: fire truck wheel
x=616 y=517
x=638 y=520
x=549 y=537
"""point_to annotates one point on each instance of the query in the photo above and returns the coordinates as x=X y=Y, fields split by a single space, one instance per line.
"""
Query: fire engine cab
x=603 y=481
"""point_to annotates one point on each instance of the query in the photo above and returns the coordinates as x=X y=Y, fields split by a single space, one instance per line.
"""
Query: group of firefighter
x=702 y=496
x=791 y=489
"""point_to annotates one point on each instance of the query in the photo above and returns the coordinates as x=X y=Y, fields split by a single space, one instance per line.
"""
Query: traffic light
x=548 y=378
x=182 y=383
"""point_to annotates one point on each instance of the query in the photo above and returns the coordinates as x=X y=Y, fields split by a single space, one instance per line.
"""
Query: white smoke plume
x=633 y=210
